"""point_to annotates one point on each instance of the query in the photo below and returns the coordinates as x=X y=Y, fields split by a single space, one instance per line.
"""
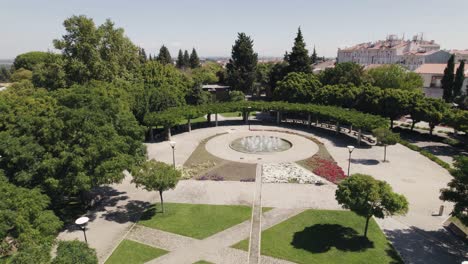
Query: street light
x=350 y=149
x=81 y=222
x=248 y=115
x=173 y=143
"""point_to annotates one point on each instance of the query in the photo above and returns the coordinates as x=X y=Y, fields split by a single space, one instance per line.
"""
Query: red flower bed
x=327 y=169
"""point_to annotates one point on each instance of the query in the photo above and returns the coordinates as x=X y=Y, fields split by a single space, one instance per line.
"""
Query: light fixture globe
x=82 y=221
x=350 y=148
x=172 y=143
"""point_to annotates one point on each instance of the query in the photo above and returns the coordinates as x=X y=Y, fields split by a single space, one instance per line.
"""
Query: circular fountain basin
x=259 y=144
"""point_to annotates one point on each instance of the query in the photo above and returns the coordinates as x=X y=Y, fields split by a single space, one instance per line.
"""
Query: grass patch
x=131 y=252
x=203 y=262
x=195 y=220
x=325 y=236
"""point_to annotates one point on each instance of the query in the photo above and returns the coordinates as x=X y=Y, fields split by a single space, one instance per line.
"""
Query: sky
x=211 y=26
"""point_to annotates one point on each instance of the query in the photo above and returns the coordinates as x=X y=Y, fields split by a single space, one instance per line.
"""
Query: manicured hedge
x=343 y=116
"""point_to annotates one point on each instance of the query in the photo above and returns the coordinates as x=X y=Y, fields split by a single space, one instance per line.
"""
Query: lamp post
x=248 y=115
x=350 y=149
x=82 y=222
x=173 y=143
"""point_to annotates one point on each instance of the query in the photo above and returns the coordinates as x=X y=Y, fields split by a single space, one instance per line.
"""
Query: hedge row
x=343 y=116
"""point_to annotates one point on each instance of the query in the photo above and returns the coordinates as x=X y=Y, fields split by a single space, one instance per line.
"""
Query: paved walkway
x=256 y=227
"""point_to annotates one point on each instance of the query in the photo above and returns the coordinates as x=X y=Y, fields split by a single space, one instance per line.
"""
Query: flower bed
x=327 y=169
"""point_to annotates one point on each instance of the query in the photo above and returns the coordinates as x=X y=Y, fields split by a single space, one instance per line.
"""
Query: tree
x=5 y=74
x=21 y=75
x=156 y=176
x=96 y=53
x=447 y=80
x=277 y=73
x=25 y=220
x=263 y=77
x=344 y=73
x=297 y=87
x=457 y=190
x=369 y=197
x=396 y=77
x=298 y=59
x=242 y=66
x=180 y=63
x=186 y=59
x=236 y=96
x=197 y=96
x=142 y=55
x=164 y=57
x=385 y=137
x=29 y=60
x=50 y=74
x=194 y=60
x=71 y=252
x=394 y=104
x=314 y=57
x=459 y=79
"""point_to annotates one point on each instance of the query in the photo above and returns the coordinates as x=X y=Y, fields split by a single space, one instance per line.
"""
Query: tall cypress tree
x=459 y=78
x=164 y=56
x=194 y=60
x=447 y=80
x=314 y=57
x=180 y=60
x=241 y=69
x=298 y=59
x=186 y=59
x=142 y=55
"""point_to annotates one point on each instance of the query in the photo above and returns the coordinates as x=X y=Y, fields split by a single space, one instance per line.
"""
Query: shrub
x=71 y=252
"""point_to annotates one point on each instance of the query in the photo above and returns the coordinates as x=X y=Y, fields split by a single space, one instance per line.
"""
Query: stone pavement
x=255 y=238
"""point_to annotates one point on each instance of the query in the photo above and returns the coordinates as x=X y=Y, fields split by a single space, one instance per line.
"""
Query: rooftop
x=432 y=68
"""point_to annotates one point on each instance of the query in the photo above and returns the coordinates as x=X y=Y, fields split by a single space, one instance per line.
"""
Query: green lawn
x=195 y=220
x=202 y=262
x=319 y=236
x=131 y=252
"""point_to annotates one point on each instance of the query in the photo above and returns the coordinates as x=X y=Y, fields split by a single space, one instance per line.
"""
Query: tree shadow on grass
x=149 y=212
x=321 y=238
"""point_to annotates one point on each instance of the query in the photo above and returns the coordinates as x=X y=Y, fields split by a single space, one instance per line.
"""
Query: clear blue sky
x=211 y=26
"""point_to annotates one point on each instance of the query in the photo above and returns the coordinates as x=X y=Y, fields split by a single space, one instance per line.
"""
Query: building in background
x=460 y=55
x=393 y=50
x=432 y=76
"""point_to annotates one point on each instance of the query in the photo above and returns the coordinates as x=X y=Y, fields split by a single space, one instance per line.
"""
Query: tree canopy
x=241 y=69
x=297 y=87
x=298 y=59
x=369 y=197
x=29 y=60
x=194 y=60
x=345 y=73
x=457 y=189
x=396 y=77
x=72 y=252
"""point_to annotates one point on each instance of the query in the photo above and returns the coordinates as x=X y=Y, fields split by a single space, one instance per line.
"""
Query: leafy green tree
x=197 y=96
x=5 y=74
x=314 y=57
x=186 y=59
x=156 y=176
x=25 y=220
x=263 y=77
x=457 y=189
x=395 y=76
x=434 y=111
x=447 y=80
x=386 y=138
x=164 y=57
x=180 y=63
x=21 y=75
x=194 y=60
x=459 y=79
x=29 y=60
x=298 y=59
x=416 y=109
x=395 y=103
x=297 y=87
x=369 y=197
x=344 y=73
x=96 y=53
x=236 y=96
x=458 y=119
x=72 y=252
x=277 y=73
x=241 y=69
x=142 y=55
x=206 y=74
x=50 y=74
x=37 y=254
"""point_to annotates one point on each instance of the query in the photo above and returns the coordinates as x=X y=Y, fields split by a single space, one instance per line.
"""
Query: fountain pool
x=260 y=144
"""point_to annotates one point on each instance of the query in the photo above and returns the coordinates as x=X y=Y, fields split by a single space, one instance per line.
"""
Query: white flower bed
x=288 y=172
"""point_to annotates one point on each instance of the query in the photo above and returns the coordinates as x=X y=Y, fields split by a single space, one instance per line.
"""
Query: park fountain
x=260 y=144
